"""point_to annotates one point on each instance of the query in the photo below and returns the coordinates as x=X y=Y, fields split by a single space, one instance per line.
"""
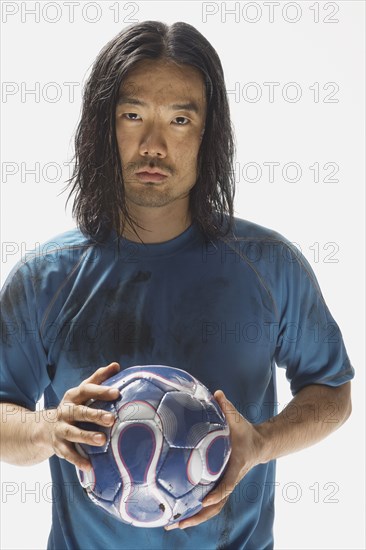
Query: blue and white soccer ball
x=167 y=448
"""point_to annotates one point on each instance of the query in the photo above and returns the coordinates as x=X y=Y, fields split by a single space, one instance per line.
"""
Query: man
x=160 y=272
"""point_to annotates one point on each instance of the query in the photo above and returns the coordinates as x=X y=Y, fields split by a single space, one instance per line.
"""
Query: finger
x=226 y=486
x=68 y=432
x=172 y=526
x=223 y=490
x=67 y=452
x=81 y=413
x=103 y=373
x=200 y=517
x=87 y=391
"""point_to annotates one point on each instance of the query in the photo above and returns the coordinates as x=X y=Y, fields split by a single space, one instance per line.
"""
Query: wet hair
x=99 y=203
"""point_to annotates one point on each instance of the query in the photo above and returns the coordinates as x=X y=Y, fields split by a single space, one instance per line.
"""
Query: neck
x=159 y=224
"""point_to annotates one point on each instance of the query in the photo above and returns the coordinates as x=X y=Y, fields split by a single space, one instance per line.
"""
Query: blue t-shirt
x=226 y=310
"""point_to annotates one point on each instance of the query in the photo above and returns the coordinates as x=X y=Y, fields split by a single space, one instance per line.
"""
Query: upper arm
x=310 y=345
x=23 y=360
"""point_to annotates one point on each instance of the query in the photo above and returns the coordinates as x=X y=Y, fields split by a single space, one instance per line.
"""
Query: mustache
x=132 y=167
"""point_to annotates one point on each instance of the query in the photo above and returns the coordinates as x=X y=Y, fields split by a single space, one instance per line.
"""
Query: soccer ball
x=167 y=448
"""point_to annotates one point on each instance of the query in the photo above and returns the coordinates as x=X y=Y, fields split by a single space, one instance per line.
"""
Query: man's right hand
x=59 y=429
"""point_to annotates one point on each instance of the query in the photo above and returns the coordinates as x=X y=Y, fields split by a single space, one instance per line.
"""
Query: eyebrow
x=189 y=106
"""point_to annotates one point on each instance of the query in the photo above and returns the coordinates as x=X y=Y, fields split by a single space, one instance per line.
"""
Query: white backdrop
x=295 y=74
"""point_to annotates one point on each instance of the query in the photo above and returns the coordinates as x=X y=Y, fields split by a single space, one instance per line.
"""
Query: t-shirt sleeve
x=23 y=360
x=310 y=344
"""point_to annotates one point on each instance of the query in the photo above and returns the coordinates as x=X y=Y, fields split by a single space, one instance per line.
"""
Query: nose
x=153 y=143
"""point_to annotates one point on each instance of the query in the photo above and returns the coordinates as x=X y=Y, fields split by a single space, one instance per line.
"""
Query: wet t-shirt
x=228 y=310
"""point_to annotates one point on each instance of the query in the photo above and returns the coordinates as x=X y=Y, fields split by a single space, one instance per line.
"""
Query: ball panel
x=145 y=506
x=171 y=375
x=137 y=410
x=214 y=413
x=196 y=433
x=164 y=377
x=173 y=475
x=214 y=455
x=107 y=477
x=195 y=467
x=136 y=448
x=184 y=419
x=202 y=393
x=190 y=503
x=142 y=390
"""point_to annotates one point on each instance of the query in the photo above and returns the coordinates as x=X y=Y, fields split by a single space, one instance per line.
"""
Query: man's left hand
x=246 y=443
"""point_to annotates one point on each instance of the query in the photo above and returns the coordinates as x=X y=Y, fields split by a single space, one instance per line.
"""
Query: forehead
x=164 y=80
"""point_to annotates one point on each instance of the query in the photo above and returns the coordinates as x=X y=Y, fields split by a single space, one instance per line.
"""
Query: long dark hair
x=97 y=182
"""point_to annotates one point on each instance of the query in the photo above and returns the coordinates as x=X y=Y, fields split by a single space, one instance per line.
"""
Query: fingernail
x=172 y=526
x=98 y=438
x=107 y=418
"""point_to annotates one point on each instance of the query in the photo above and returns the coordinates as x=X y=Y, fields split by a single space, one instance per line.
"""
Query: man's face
x=159 y=120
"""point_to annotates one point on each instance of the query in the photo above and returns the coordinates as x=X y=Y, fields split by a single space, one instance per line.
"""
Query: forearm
x=314 y=413
x=23 y=440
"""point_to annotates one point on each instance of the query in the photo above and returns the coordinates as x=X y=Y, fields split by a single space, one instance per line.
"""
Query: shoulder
x=59 y=254
x=256 y=242
x=248 y=230
x=278 y=262
x=47 y=272
x=57 y=247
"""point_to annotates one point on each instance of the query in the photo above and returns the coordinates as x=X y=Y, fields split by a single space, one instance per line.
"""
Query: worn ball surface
x=168 y=447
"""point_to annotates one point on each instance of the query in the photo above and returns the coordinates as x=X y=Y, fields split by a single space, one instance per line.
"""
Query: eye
x=127 y=115
x=183 y=120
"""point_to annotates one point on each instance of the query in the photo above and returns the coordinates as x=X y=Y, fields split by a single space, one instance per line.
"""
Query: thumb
x=223 y=400
x=230 y=412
